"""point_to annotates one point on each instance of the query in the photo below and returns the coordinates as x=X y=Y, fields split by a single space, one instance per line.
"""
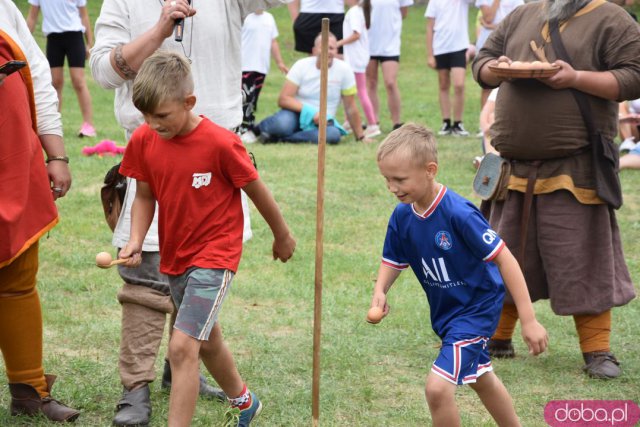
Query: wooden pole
x=322 y=144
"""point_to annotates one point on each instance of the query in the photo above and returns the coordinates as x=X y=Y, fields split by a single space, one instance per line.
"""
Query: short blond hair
x=164 y=76
x=414 y=141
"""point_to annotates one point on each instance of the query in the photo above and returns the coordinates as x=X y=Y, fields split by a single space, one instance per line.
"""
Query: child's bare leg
x=185 y=381
x=219 y=362
x=496 y=399
x=82 y=93
x=444 y=85
x=441 y=399
x=458 y=75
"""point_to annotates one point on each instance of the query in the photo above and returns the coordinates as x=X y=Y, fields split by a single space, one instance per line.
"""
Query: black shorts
x=382 y=59
x=307 y=26
x=450 y=60
x=69 y=44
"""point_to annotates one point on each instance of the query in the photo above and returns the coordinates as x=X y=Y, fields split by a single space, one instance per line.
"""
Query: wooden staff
x=322 y=144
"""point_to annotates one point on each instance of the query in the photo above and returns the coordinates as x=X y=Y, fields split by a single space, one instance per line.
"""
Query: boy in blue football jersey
x=463 y=267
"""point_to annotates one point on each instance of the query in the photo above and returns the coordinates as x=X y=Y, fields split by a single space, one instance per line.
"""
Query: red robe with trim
x=27 y=209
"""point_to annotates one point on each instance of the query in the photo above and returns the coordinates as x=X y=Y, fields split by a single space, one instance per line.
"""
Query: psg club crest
x=443 y=240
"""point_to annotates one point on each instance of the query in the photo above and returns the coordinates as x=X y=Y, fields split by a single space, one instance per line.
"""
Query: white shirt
x=504 y=8
x=386 y=27
x=451 y=28
x=634 y=106
x=356 y=54
x=215 y=53
x=306 y=75
x=46 y=99
x=60 y=16
x=258 y=32
x=321 y=6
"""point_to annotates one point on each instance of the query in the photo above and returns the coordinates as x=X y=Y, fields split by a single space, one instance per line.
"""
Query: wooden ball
x=103 y=258
x=374 y=315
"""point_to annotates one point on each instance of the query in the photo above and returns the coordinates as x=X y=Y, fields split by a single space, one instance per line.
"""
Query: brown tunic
x=574 y=255
x=536 y=122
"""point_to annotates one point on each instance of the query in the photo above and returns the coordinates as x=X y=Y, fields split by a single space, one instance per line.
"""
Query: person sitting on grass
x=299 y=99
x=463 y=267
x=184 y=160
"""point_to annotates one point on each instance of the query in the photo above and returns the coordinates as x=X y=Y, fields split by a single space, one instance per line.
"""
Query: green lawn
x=371 y=375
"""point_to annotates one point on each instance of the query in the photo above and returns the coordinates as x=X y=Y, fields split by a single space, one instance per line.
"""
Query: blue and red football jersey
x=450 y=248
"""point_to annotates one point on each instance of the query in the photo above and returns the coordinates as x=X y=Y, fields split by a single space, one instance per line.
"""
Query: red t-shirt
x=196 y=179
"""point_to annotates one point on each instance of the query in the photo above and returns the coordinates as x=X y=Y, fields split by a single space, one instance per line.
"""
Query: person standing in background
x=66 y=25
x=384 y=47
x=356 y=53
x=307 y=21
x=447 y=44
x=30 y=185
x=492 y=12
x=259 y=44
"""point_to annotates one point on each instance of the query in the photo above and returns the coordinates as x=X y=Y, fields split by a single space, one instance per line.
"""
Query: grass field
x=371 y=375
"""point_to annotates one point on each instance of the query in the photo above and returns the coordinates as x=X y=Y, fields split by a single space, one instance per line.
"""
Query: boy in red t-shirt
x=195 y=170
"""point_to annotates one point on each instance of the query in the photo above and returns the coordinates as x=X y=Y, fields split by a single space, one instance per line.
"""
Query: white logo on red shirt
x=201 y=179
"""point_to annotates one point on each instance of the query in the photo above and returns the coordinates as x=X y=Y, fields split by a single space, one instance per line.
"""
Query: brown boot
x=26 y=400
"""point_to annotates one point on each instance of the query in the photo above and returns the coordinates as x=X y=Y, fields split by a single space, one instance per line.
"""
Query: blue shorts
x=463 y=360
x=198 y=294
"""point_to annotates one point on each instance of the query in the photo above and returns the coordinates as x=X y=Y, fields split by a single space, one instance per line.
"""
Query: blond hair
x=164 y=76
x=413 y=141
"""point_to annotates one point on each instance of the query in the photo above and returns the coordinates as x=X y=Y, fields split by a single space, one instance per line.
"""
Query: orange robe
x=27 y=210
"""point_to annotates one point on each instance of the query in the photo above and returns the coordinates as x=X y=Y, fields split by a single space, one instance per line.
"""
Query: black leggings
x=69 y=44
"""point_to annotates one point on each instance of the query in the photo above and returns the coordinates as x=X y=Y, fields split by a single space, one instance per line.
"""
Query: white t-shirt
x=46 y=98
x=386 y=27
x=322 y=6
x=451 y=28
x=356 y=54
x=306 y=75
x=60 y=16
x=258 y=31
x=634 y=106
x=504 y=8
x=493 y=95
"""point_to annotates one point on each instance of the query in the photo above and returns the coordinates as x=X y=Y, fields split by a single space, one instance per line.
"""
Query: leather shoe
x=501 y=349
x=134 y=409
x=601 y=365
x=206 y=390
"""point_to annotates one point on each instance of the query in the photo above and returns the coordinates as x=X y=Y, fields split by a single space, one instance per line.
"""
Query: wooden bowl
x=524 y=73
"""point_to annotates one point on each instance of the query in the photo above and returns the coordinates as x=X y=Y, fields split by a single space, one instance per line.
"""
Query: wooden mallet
x=105 y=260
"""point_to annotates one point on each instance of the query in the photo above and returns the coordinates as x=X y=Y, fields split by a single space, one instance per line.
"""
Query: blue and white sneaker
x=242 y=418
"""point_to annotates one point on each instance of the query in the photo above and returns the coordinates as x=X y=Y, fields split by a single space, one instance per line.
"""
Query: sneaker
x=601 y=365
x=242 y=418
x=248 y=137
x=86 y=130
x=501 y=349
x=372 y=130
x=264 y=137
x=445 y=129
x=459 y=130
x=480 y=134
x=628 y=144
x=397 y=126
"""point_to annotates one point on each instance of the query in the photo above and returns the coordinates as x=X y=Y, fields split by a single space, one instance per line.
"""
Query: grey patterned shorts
x=198 y=294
